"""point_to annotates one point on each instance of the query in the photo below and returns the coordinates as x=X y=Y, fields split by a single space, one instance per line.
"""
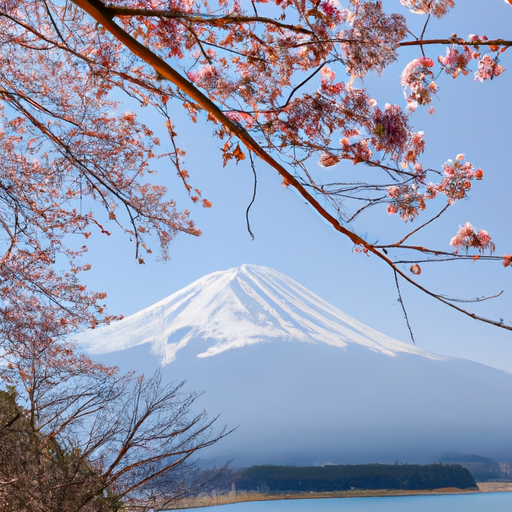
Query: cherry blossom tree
x=77 y=436
x=266 y=74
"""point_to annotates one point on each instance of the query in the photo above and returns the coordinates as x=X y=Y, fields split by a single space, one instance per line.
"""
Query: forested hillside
x=293 y=479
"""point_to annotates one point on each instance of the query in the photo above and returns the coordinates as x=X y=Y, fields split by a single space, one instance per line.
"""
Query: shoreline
x=242 y=497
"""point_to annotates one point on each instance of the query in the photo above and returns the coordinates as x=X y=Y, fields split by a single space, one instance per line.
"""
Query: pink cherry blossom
x=437 y=8
x=418 y=78
x=467 y=238
x=457 y=179
x=456 y=62
x=488 y=68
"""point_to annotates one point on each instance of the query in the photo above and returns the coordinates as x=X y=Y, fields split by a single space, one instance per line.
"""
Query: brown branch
x=476 y=299
x=304 y=82
x=9 y=482
x=370 y=203
x=210 y=19
x=458 y=41
x=11 y=421
x=230 y=50
x=416 y=42
x=231 y=19
x=425 y=250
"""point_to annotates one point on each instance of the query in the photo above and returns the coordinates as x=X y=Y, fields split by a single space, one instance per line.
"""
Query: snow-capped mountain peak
x=237 y=307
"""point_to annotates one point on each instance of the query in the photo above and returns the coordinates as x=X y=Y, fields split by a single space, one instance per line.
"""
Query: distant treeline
x=292 y=479
x=483 y=469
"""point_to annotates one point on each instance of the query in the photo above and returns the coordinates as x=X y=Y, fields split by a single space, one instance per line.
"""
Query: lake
x=485 y=502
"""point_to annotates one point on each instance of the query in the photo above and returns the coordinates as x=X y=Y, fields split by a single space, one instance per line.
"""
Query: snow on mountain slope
x=237 y=307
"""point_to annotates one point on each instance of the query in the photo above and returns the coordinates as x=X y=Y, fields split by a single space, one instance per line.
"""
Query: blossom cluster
x=406 y=200
x=457 y=178
x=437 y=8
x=358 y=151
x=409 y=199
x=328 y=85
x=365 y=128
x=374 y=37
x=415 y=146
x=390 y=131
x=212 y=79
x=419 y=79
x=467 y=238
x=330 y=9
x=456 y=62
x=488 y=68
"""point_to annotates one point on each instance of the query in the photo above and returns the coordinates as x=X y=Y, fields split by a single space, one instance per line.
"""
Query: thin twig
x=253 y=167
x=403 y=308
x=423 y=225
x=476 y=299
x=423 y=33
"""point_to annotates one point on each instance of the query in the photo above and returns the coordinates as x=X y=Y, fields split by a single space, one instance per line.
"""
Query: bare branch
x=401 y=301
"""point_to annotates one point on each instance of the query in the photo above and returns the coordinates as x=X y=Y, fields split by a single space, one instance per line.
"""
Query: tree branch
x=210 y=19
x=456 y=40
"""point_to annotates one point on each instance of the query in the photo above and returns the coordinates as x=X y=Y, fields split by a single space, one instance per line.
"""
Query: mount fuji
x=306 y=383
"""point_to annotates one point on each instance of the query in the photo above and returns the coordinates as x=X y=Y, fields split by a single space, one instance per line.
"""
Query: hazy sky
x=471 y=117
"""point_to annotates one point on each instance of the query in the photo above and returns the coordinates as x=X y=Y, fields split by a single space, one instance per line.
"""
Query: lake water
x=485 y=502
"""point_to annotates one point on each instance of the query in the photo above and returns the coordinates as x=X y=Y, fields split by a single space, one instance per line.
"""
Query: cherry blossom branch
x=458 y=41
x=102 y=179
x=64 y=46
x=100 y=13
x=210 y=19
x=297 y=87
x=416 y=42
x=230 y=19
x=370 y=203
x=425 y=26
x=290 y=96
x=229 y=50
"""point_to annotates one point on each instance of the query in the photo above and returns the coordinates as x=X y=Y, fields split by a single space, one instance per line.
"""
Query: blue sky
x=471 y=118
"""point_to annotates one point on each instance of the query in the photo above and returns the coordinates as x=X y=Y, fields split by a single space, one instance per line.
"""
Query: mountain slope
x=239 y=307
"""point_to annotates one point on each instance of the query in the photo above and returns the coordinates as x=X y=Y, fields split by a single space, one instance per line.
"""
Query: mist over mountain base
x=315 y=404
